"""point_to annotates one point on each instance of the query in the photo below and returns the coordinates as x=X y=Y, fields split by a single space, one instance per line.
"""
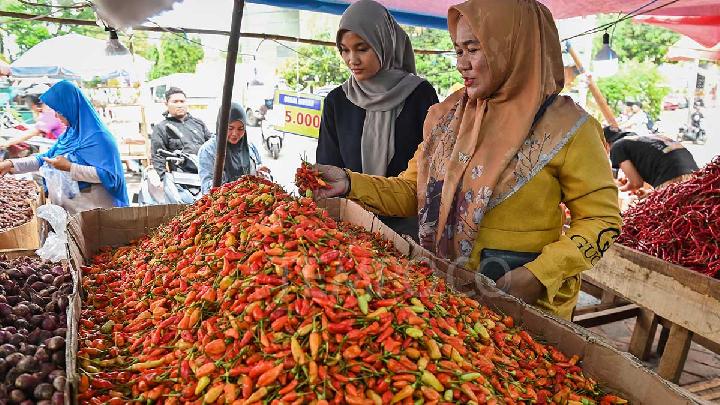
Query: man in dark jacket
x=178 y=131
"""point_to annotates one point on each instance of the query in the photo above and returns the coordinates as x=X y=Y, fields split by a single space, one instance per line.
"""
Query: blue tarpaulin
x=433 y=13
x=425 y=14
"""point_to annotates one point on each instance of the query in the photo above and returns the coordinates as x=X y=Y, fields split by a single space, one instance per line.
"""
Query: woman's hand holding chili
x=336 y=179
x=523 y=284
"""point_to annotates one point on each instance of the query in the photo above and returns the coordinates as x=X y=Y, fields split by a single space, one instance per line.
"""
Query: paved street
x=672 y=120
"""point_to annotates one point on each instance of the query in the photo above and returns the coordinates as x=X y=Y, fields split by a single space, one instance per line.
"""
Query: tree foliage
x=27 y=34
x=315 y=65
x=638 y=82
x=322 y=66
x=439 y=70
x=175 y=54
x=638 y=42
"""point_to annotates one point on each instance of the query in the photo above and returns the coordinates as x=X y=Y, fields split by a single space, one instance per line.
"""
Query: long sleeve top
x=341 y=127
x=172 y=134
x=206 y=156
x=531 y=220
x=92 y=197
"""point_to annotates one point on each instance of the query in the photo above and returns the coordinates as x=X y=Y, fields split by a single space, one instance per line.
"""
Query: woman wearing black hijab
x=241 y=157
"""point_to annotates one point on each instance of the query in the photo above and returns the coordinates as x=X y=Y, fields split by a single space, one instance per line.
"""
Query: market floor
x=702 y=368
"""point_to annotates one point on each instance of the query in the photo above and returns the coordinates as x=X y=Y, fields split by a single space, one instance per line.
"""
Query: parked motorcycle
x=272 y=139
x=695 y=132
x=180 y=185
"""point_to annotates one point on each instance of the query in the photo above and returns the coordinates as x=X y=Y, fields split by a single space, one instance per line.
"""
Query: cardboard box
x=617 y=371
x=29 y=235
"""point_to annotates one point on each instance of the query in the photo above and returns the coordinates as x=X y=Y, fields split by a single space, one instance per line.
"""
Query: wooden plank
x=695 y=281
x=591 y=289
x=592 y=308
x=643 y=334
x=703 y=386
x=704 y=342
x=608 y=297
x=662 y=288
x=711 y=397
x=673 y=359
x=607 y=316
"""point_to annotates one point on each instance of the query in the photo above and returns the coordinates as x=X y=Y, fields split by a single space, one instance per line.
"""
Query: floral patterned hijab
x=478 y=152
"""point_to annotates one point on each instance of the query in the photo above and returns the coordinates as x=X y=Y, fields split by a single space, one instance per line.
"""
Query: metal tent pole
x=233 y=44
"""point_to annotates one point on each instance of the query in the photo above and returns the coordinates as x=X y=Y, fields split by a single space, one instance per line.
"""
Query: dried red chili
x=679 y=223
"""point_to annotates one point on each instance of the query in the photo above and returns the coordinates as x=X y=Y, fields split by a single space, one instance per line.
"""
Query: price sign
x=300 y=113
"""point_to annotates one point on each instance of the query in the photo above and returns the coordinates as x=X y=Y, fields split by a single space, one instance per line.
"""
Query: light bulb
x=606 y=61
x=114 y=46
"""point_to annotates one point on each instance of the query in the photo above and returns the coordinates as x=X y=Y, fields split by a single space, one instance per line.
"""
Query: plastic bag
x=55 y=247
x=60 y=184
x=172 y=194
x=151 y=189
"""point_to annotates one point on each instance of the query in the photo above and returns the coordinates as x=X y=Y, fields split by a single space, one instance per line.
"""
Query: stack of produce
x=251 y=296
x=33 y=303
x=16 y=196
x=679 y=223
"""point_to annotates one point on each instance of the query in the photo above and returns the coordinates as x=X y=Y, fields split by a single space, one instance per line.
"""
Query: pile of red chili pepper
x=679 y=223
x=307 y=179
x=251 y=296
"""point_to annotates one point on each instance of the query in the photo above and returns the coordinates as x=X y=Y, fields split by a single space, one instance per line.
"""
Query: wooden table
x=633 y=284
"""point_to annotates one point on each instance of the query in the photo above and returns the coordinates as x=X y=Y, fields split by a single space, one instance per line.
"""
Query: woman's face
x=62 y=119
x=36 y=108
x=359 y=56
x=471 y=61
x=236 y=131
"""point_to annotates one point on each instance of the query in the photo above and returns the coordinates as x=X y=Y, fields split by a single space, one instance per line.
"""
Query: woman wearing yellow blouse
x=497 y=159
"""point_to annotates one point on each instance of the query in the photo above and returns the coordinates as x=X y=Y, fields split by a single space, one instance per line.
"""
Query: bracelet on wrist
x=349 y=184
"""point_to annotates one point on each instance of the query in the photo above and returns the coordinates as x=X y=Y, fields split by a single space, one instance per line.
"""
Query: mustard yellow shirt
x=531 y=220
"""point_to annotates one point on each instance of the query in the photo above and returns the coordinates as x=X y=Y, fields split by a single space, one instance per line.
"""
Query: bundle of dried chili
x=680 y=223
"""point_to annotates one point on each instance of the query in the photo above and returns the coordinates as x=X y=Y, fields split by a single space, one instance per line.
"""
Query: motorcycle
x=273 y=141
x=181 y=184
x=695 y=131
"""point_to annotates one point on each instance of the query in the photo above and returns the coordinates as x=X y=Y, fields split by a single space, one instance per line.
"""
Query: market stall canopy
x=687 y=49
x=703 y=29
x=429 y=13
x=75 y=56
x=433 y=13
x=125 y=13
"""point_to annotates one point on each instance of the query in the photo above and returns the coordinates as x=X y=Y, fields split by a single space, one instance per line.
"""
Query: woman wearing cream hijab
x=497 y=159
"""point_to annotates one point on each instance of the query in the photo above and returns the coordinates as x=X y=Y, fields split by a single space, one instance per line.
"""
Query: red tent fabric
x=434 y=12
x=703 y=29
x=687 y=49
x=572 y=8
x=427 y=12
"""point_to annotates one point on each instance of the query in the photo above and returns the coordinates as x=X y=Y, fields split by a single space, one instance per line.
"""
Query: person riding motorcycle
x=179 y=131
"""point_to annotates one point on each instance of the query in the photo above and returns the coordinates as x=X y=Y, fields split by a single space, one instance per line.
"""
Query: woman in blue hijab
x=86 y=150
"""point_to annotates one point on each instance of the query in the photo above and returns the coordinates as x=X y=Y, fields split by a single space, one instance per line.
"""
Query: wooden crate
x=29 y=235
x=617 y=371
x=687 y=303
